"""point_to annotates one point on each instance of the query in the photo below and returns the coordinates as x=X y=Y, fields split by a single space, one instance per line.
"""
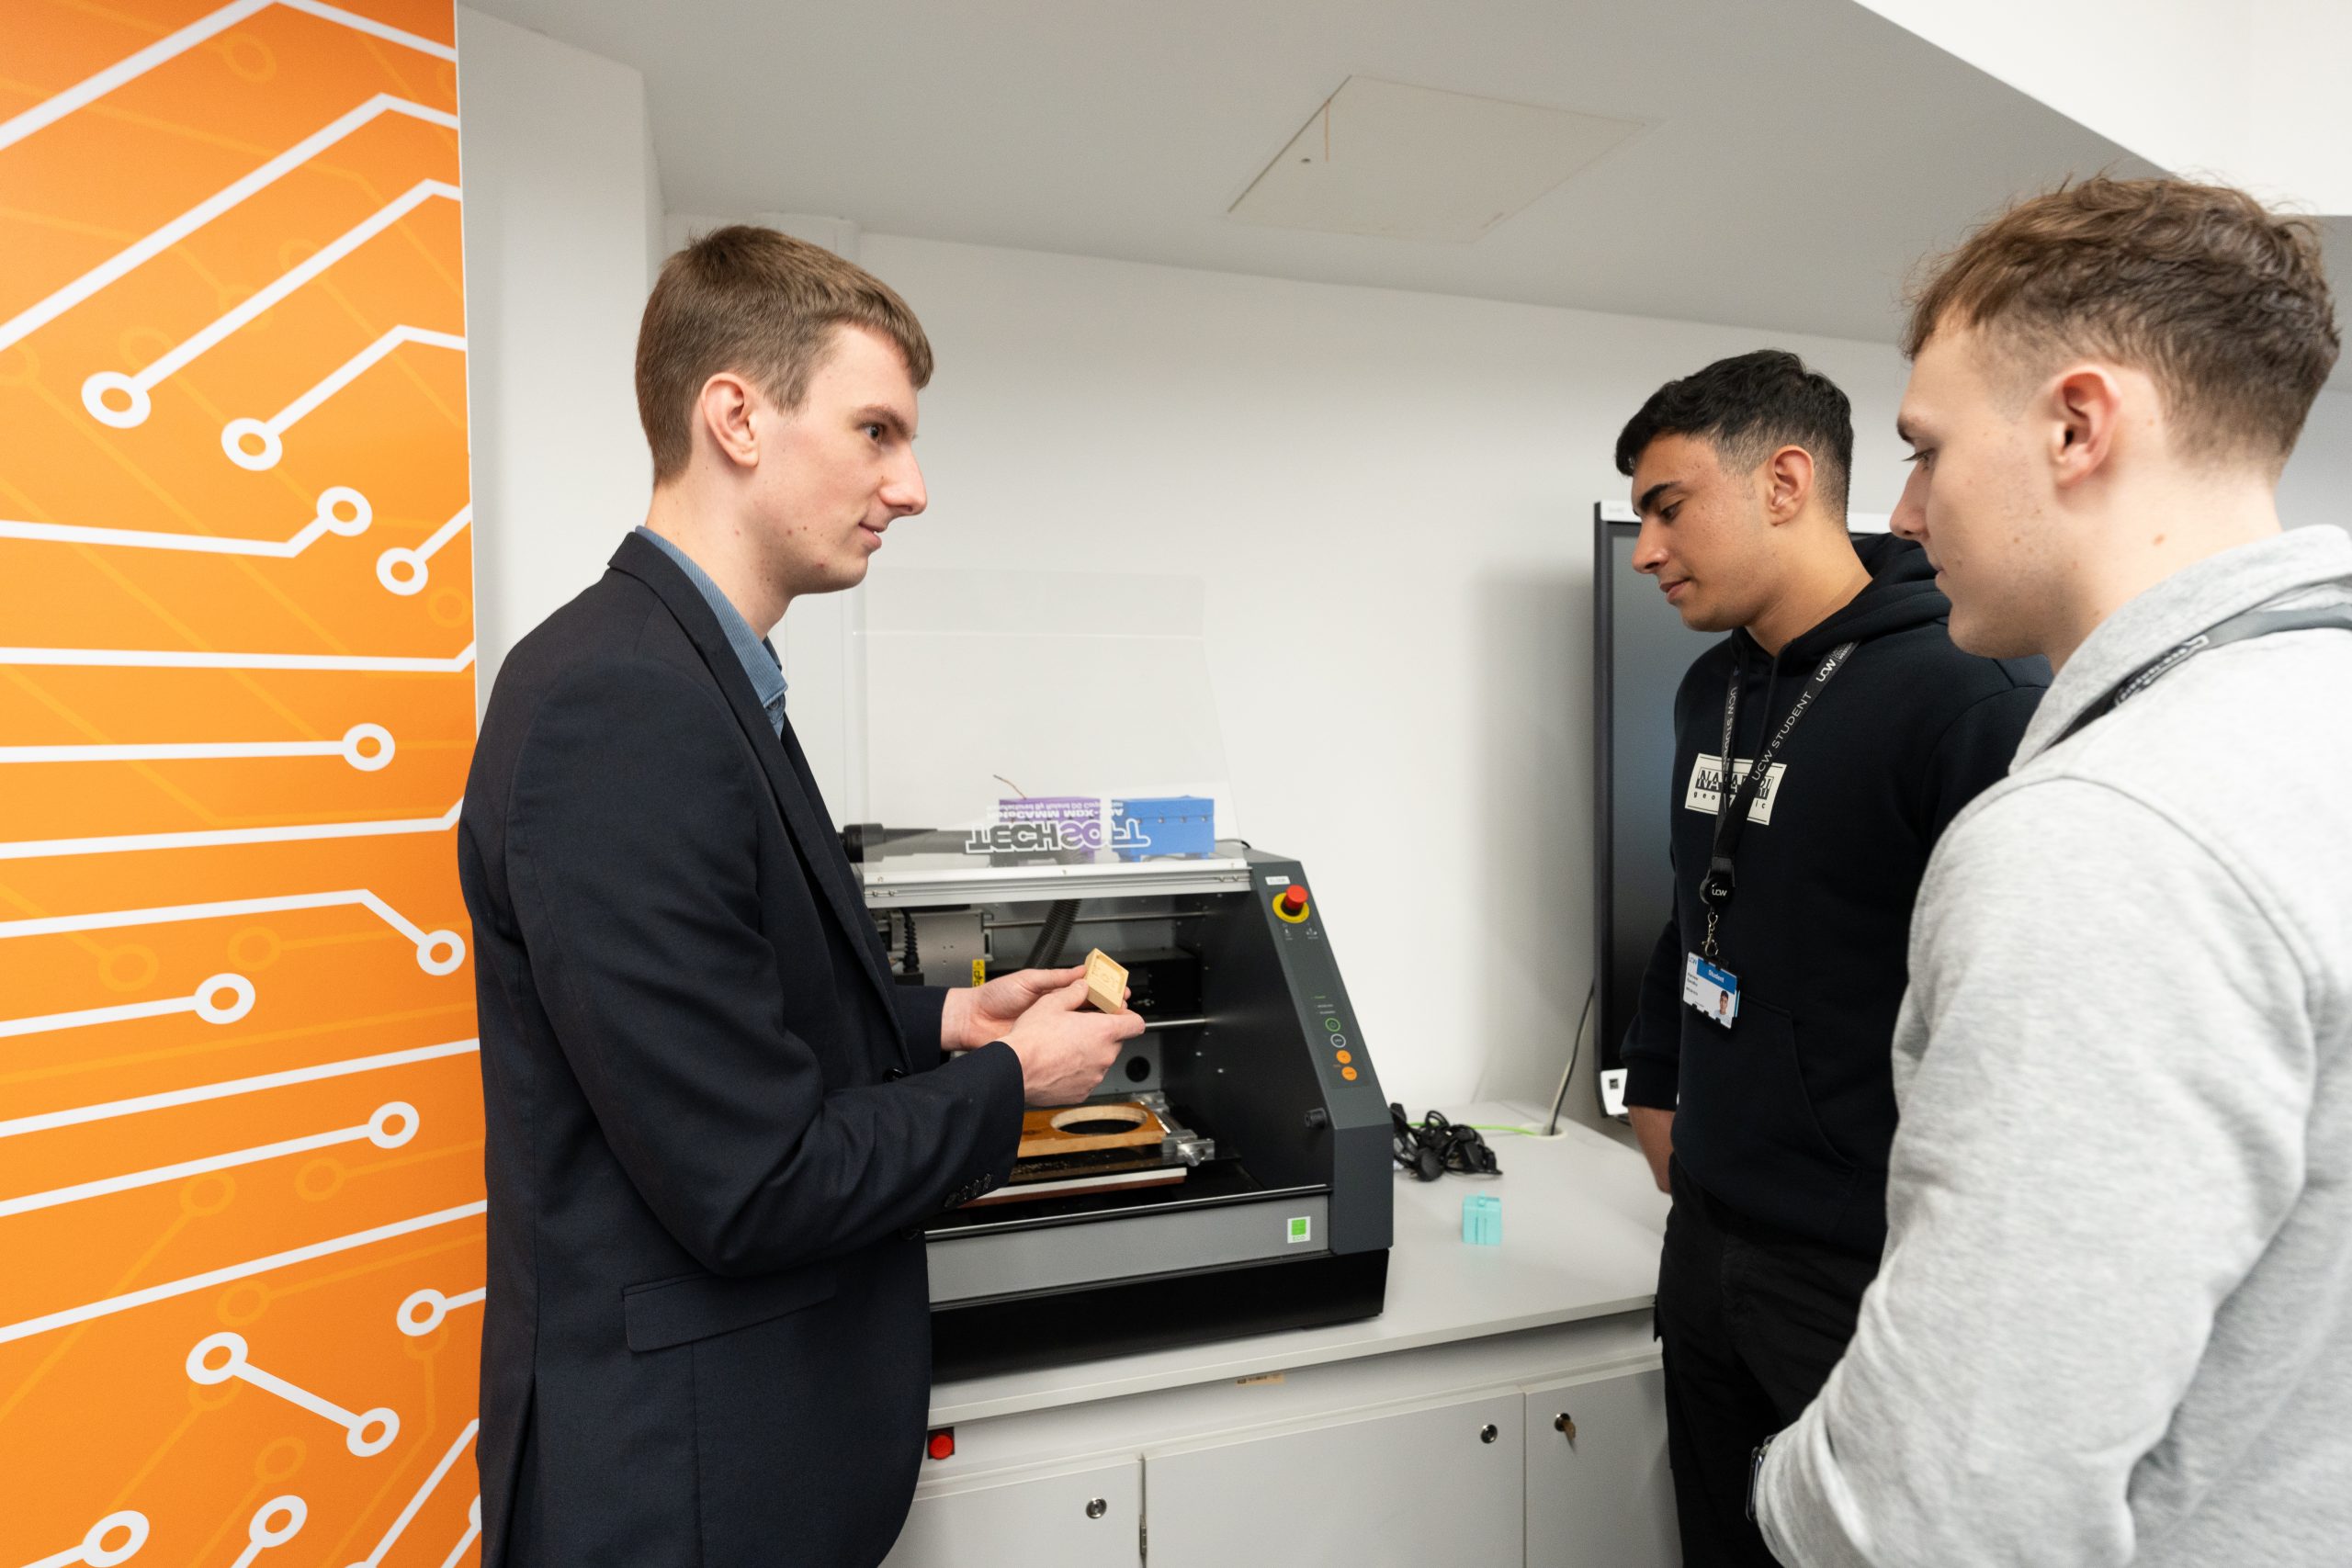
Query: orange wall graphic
x=241 y=1218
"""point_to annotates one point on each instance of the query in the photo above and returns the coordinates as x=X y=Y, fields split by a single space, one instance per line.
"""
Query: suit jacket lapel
x=788 y=772
x=830 y=863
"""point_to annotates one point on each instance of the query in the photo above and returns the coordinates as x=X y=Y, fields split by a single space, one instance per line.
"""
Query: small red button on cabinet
x=941 y=1444
x=1293 y=901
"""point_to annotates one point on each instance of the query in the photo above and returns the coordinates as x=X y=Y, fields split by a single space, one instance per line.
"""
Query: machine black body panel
x=1280 y=1021
x=1278 y=1075
x=1131 y=1316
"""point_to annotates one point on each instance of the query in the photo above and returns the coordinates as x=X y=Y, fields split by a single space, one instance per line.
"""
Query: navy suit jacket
x=715 y=1123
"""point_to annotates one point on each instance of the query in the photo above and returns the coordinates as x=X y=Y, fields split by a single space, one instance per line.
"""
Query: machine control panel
x=1315 y=979
x=1335 y=1036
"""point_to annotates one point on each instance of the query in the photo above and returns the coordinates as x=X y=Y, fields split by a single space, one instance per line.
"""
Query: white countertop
x=1581 y=1226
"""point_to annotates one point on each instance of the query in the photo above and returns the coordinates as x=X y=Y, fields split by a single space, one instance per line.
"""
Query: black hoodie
x=1786 y=1117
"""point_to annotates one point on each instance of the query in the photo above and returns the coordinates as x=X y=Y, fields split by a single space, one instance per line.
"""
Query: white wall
x=2317 y=485
x=2245 y=90
x=562 y=213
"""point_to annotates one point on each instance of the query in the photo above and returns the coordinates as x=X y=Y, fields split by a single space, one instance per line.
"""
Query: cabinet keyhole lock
x=1488 y=1433
x=1565 y=1425
x=1096 y=1507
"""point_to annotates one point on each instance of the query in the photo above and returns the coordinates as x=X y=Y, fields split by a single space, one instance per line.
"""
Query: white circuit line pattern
x=365 y=1433
x=473 y=1531
x=261 y=1535
x=213 y=838
x=174 y=659
x=135 y=388
x=130 y=1300
x=92 y=88
x=341 y=511
x=404 y=572
x=366 y=747
x=423 y=1311
x=328 y=519
x=93 y=1548
x=393 y=1123
x=34 y=317
x=79 y=1116
x=437 y=952
x=125 y=398
x=202 y=1001
x=416 y=1500
x=268 y=433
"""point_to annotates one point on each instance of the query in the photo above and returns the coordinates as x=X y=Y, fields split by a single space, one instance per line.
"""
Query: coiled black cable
x=1433 y=1146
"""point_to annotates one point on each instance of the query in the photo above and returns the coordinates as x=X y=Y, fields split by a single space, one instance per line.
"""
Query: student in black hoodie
x=1758 y=1062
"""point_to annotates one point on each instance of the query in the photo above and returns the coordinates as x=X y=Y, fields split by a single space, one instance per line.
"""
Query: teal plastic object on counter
x=1481 y=1220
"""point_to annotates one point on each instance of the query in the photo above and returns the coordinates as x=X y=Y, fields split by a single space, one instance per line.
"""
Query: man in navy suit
x=715 y=1125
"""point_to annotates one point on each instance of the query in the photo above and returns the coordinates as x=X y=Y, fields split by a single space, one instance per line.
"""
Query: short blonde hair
x=762 y=304
x=2222 y=302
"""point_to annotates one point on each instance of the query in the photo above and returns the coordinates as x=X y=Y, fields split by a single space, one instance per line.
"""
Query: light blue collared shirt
x=757 y=654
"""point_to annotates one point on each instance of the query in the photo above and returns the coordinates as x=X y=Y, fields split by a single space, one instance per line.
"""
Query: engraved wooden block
x=1106 y=982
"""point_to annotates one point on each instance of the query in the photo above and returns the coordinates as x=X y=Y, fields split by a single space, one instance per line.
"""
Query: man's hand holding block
x=1106 y=983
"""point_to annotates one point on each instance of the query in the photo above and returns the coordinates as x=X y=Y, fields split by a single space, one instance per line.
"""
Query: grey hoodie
x=2114 y=1322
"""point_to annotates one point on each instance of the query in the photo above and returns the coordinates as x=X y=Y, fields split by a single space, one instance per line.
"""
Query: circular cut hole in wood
x=1099 y=1120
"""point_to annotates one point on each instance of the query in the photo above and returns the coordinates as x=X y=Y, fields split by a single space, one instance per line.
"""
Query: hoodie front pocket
x=1746 y=1128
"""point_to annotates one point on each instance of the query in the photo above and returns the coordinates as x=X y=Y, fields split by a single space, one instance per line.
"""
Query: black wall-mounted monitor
x=1641 y=651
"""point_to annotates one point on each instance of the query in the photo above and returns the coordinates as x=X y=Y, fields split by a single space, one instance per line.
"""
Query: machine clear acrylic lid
x=1041 y=718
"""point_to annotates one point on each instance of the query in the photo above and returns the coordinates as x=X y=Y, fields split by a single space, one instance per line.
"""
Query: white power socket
x=1613 y=1092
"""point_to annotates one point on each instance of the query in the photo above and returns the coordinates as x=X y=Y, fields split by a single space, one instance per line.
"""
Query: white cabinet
x=1598 y=1494
x=1082 y=1518
x=1440 y=1483
x=1442 y=1456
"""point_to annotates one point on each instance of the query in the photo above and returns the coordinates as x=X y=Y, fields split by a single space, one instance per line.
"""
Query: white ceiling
x=1801 y=154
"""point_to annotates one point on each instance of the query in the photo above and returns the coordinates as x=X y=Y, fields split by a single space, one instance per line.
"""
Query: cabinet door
x=1599 y=1495
x=1431 y=1485
x=1083 y=1518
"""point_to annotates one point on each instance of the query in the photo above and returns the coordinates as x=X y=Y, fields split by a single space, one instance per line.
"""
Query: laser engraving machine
x=1231 y=1176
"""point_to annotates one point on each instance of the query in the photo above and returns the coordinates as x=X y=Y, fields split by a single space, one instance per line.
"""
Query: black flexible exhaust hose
x=1054 y=936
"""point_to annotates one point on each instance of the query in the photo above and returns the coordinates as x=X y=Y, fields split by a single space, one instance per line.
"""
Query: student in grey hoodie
x=2113 y=1321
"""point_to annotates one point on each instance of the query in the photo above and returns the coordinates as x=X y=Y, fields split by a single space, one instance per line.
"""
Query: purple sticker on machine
x=1041 y=822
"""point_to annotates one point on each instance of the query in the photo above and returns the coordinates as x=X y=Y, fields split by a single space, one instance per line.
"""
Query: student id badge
x=1713 y=991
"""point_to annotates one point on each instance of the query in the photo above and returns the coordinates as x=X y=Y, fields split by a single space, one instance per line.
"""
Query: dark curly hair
x=1750 y=406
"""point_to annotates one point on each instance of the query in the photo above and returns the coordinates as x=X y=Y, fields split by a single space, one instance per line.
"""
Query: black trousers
x=1751 y=1319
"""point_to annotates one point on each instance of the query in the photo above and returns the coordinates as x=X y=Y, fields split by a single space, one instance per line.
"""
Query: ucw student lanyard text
x=2237 y=628
x=1731 y=804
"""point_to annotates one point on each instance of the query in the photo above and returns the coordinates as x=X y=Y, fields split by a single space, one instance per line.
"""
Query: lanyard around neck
x=2237 y=628
x=1731 y=802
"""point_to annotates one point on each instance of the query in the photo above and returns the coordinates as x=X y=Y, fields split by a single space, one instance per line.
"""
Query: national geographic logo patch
x=1706 y=782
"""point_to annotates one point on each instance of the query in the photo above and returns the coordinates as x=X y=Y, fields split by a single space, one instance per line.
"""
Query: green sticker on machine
x=1302 y=1228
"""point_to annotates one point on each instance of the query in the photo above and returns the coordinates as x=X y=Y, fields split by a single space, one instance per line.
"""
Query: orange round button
x=1349 y=1074
x=1345 y=1059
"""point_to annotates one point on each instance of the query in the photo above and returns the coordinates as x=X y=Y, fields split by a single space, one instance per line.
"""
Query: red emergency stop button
x=1290 y=904
x=941 y=1444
